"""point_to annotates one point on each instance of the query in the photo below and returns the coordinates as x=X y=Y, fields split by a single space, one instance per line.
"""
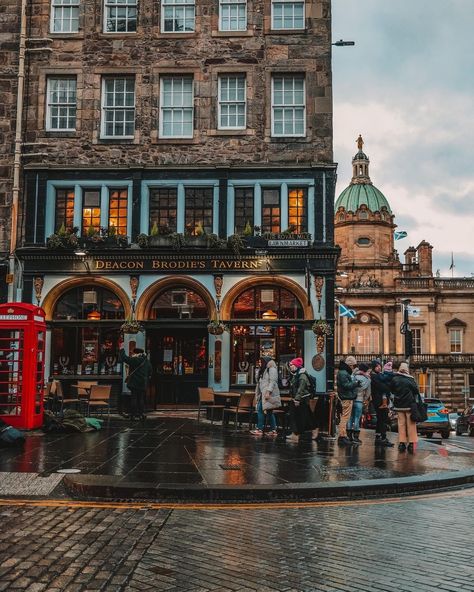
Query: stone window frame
x=61 y=4
x=130 y=4
x=253 y=20
x=312 y=11
x=250 y=118
x=454 y=342
x=42 y=99
x=48 y=105
x=362 y=245
x=160 y=72
x=175 y=76
x=115 y=108
x=293 y=75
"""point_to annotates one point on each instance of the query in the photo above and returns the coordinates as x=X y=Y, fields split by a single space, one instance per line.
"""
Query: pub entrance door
x=179 y=360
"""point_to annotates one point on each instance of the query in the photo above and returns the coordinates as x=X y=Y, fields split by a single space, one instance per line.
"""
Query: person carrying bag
x=140 y=371
x=267 y=396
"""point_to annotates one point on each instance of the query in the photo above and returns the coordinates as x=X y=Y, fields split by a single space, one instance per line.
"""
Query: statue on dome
x=360 y=142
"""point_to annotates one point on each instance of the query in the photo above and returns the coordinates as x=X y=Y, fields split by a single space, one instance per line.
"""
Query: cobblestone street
x=410 y=544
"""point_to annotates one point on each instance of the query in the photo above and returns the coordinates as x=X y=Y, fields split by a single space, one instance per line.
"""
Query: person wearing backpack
x=346 y=391
x=302 y=389
x=362 y=377
x=139 y=373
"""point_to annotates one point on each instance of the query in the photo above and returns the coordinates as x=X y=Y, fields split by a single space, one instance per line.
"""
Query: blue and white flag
x=346 y=312
x=399 y=234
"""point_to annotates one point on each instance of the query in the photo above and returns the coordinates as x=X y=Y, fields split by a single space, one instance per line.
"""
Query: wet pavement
x=174 y=451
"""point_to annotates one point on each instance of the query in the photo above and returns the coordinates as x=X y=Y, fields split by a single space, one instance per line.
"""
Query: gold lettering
x=253 y=264
x=155 y=264
x=139 y=265
x=99 y=265
x=245 y=265
x=202 y=264
x=108 y=265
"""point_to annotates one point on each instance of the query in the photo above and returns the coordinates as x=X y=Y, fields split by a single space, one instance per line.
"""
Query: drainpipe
x=18 y=147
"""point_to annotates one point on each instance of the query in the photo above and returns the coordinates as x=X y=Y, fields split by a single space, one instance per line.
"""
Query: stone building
x=373 y=281
x=177 y=168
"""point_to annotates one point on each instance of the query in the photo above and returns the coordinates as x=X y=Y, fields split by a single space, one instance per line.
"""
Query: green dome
x=359 y=194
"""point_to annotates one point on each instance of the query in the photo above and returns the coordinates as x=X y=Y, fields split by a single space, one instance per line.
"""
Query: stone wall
x=9 y=28
x=147 y=55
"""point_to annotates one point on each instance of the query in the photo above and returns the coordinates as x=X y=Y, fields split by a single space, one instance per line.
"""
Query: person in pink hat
x=301 y=417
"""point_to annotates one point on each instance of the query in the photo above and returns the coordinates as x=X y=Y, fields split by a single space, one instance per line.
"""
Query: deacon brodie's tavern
x=178 y=169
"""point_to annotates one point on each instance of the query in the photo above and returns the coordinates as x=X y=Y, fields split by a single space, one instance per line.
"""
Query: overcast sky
x=408 y=87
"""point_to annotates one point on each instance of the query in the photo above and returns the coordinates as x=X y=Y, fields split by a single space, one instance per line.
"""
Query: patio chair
x=99 y=398
x=207 y=402
x=243 y=407
x=57 y=390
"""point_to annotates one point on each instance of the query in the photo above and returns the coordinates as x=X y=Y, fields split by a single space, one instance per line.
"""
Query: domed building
x=372 y=282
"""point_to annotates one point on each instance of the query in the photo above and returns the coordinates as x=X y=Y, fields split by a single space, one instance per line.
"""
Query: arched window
x=262 y=330
x=268 y=303
x=179 y=303
x=85 y=332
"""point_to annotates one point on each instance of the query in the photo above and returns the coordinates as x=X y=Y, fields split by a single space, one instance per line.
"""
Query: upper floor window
x=118 y=107
x=198 y=213
x=232 y=102
x=363 y=215
x=416 y=341
x=61 y=104
x=271 y=210
x=455 y=341
x=178 y=16
x=64 y=16
x=91 y=211
x=232 y=15
x=288 y=106
x=64 y=212
x=118 y=210
x=297 y=209
x=120 y=16
x=163 y=209
x=287 y=14
x=243 y=208
x=177 y=107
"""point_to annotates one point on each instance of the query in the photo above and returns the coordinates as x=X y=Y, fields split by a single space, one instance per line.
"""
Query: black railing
x=417 y=359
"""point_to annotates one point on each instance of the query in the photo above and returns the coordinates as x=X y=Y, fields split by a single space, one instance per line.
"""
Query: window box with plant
x=253 y=238
x=63 y=238
x=321 y=329
x=216 y=327
x=197 y=238
x=105 y=237
x=131 y=327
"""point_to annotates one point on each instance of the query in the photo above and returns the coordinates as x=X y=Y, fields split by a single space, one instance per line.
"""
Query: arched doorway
x=265 y=319
x=177 y=339
x=85 y=328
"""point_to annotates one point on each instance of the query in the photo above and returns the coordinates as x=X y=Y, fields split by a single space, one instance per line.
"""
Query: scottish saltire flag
x=399 y=234
x=347 y=312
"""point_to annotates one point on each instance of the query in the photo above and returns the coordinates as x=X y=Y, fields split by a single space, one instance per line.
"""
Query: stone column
x=432 y=328
x=345 y=335
x=398 y=335
x=386 y=331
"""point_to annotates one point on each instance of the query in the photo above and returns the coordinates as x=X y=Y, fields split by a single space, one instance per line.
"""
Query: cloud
x=405 y=87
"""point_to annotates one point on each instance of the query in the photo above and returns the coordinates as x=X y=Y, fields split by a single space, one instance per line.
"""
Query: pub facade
x=182 y=178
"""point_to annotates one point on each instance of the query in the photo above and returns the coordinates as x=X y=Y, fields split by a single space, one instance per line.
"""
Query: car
x=438 y=419
x=465 y=422
x=453 y=420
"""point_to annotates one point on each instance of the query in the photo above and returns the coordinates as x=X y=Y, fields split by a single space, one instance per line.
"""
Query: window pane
x=64 y=209
x=163 y=209
x=199 y=208
x=178 y=16
x=119 y=107
x=118 y=213
x=61 y=107
x=177 y=107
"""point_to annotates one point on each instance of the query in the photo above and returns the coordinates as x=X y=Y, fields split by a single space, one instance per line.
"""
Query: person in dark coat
x=347 y=392
x=302 y=418
x=380 y=394
x=139 y=374
x=405 y=392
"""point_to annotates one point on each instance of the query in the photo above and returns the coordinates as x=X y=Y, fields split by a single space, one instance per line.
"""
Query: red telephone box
x=22 y=343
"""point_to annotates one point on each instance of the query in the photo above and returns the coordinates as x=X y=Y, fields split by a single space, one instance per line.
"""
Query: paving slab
x=177 y=458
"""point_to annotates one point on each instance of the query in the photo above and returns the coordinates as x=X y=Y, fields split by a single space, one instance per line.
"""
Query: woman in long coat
x=267 y=396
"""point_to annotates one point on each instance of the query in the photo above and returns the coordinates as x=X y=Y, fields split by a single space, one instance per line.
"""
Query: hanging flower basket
x=216 y=328
x=131 y=327
x=322 y=328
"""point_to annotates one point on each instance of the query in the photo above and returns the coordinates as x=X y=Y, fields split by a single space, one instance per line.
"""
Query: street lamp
x=342 y=43
x=405 y=327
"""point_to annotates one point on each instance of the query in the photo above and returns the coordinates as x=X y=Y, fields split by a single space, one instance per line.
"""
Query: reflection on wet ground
x=174 y=450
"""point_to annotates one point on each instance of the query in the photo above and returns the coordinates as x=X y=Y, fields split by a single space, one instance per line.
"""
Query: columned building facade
x=372 y=283
x=179 y=170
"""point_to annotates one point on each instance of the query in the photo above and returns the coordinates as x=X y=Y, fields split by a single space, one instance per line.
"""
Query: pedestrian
x=362 y=377
x=380 y=394
x=267 y=396
x=139 y=374
x=405 y=392
x=302 y=418
x=347 y=392
x=387 y=376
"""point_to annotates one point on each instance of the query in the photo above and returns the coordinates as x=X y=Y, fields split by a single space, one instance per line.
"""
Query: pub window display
x=86 y=348
x=250 y=342
x=179 y=304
